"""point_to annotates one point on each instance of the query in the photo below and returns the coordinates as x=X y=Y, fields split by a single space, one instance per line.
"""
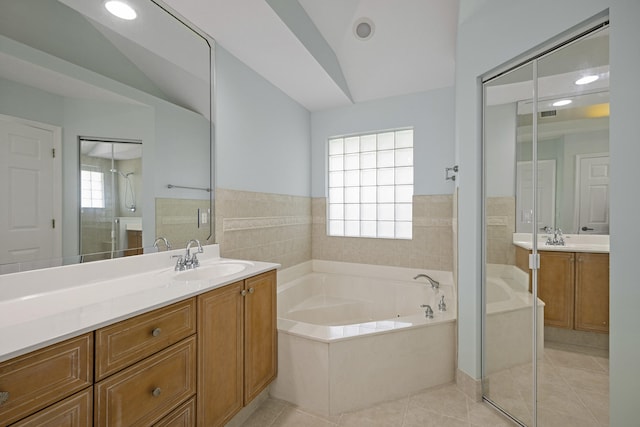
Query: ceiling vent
x=550 y=113
x=363 y=29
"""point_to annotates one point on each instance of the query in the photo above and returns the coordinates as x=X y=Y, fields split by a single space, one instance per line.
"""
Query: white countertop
x=593 y=243
x=42 y=307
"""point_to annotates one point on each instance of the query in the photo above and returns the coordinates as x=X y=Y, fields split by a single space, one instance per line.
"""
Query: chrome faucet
x=165 y=241
x=434 y=284
x=442 y=306
x=188 y=261
x=192 y=260
x=428 y=311
x=557 y=239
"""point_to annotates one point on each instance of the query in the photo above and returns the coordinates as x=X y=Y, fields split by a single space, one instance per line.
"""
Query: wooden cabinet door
x=74 y=411
x=260 y=340
x=43 y=377
x=127 y=342
x=556 y=288
x=592 y=292
x=144 y=393
x=220 y=354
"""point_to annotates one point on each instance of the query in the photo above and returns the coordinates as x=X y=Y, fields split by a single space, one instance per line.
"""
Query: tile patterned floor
x=573 y=386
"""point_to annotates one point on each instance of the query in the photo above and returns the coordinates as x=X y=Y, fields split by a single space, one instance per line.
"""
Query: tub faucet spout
x=434 y=283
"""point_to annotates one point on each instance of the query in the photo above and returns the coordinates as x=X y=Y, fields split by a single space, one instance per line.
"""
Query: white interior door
x=593 y=194
x=546 y=195
x=28 y=190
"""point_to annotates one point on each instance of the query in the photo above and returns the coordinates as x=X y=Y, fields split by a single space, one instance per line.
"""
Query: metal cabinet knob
x=4 y=397
x=156 y=332
x=243 y=292
x=156 y=392
x=251 y=290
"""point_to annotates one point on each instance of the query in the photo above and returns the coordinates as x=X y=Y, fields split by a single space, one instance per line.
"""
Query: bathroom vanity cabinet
x=592 y=292
x=237 y=347
x=145 y=366
x=194 y=362
x=574 y=287
x=43 y=379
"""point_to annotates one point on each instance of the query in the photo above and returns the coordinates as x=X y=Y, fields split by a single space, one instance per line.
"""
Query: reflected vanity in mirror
x=88 y=100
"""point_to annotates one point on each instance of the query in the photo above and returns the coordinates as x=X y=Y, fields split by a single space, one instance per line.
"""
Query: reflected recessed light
x=562 y=102
x=587 y=79
x=121 y=9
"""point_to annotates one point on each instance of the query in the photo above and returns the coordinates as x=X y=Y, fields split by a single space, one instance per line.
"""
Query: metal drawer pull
x=243 y=292
x=156 y=332
x=156 y=392
x=4 y=397
x=251 y=290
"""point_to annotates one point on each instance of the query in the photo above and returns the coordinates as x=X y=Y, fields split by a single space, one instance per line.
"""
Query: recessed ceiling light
x=120 y=9
x=363 y=29
x=587 y=79
x=562 y=102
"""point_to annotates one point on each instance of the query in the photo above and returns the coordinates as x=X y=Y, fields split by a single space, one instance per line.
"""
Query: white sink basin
x=212 y=271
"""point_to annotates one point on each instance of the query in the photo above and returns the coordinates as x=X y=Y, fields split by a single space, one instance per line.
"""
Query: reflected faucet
x=164 y=240
x=557 y=240
x=434 y=284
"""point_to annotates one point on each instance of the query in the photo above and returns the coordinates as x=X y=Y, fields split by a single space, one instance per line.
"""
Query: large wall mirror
x=105 y=132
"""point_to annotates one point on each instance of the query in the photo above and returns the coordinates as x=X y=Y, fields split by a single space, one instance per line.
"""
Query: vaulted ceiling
x=309 y=49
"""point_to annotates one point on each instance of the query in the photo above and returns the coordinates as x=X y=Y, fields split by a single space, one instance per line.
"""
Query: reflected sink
x=212 y=271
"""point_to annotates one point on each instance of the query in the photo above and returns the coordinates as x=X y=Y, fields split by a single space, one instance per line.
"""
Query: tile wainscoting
x=177 y=218
x=501 y=224
x=431 y=246
x=263 y=226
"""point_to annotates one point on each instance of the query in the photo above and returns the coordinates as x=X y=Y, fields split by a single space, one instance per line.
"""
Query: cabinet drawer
x=129 y=341
x=74 y=411
x=43 y=377
x=183 y=416
x=147 y=391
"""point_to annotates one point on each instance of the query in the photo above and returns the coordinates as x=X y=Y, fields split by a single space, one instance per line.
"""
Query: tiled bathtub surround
x=501 y=224
x=431 y=246
x=263 y=226
x=350 y=335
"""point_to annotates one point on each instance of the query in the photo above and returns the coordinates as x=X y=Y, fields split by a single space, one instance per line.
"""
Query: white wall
x=490 y=36
x=500 y=152
x=429 y=113
x=262 y=135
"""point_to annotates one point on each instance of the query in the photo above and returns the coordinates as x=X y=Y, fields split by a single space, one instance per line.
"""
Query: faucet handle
x=428 y=311
x=442 y=306
x=180 y=263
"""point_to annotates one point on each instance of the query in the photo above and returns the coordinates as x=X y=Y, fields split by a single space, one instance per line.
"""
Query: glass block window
x=91 y=189
x=371 y=185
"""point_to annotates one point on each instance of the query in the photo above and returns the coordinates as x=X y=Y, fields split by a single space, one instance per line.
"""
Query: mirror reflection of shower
x=110 y=178
x=129 y=194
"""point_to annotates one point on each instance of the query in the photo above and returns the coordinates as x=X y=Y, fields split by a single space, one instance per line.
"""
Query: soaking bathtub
x=351 y=335
x=509 y=314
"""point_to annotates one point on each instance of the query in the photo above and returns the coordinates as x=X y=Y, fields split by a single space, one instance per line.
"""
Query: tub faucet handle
x=442 y=306
x=428 y=311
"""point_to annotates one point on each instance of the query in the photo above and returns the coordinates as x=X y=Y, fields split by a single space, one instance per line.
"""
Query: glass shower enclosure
x=110 y=182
